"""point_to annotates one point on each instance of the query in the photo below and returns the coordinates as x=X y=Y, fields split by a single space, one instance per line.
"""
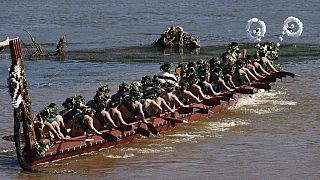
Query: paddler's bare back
x=125 y=112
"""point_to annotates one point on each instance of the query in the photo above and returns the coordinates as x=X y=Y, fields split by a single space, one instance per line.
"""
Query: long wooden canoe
x=24 y=132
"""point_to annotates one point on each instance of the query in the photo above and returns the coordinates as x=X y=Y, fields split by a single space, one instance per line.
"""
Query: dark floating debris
x=61 y=44
x=174 y=36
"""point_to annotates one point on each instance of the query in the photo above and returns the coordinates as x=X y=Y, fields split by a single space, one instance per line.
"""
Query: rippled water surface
x=270 y=135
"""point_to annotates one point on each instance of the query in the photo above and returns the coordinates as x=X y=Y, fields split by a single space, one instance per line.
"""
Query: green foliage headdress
x=73 y=102
x=165 y=67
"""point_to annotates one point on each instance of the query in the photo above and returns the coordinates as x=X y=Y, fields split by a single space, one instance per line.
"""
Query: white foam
x=7 y=150
x=263 y=111
x=185 y=135
x=183 y=140
x=285 y=103
x=226 y=124
x=125 y=156
x=61 y=164
x=151 y=150
x=267 y=102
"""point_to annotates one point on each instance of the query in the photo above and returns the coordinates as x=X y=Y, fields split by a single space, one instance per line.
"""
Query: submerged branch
x=39 y=50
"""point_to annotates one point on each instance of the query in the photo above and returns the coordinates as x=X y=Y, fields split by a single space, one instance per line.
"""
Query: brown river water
x=270 y=135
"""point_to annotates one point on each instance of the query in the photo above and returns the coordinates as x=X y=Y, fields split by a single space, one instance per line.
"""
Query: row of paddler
x=203 y=82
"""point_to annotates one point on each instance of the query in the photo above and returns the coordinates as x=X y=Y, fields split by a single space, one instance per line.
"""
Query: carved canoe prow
x=23 y=115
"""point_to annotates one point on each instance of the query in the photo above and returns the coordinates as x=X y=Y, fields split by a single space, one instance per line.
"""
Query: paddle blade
x=211 y=102
x=142 y=131
x=228 y=95
x=175 y=120
x=224 y=98
x=137 y=129
x=173 y=124
x=284 y=73
x=152 y=129
x=244 y=90
x=125 y=127
x=87 y=140
x=200 y=110
x=261 y=86
x=187 y=110
x=109 y=137
x=270 y=78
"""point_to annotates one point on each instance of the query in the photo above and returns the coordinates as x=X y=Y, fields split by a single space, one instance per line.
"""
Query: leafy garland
x=13 y=82
x=16 y=77
x=27 y=100
x=74 y=101
x=49 y=112
x=41 y=148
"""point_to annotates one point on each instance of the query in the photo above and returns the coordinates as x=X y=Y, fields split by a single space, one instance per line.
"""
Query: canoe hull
x=81 y=145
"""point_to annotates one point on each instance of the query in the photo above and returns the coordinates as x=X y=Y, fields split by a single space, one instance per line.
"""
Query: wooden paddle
x=223 y=98
x=187 y=110
x=137 y=129
x=82 y=139
x=284 y=74
x=175 y=120
x=152 y=129
x=242 y=90
x=140 y=130
x=270 y=78
x=212 y=101
x=227 y=94
x=109 y=137
x=273 y=76
x=260 y=85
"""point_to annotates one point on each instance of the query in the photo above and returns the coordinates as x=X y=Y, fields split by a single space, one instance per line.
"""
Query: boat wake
x=125 y=156
x=149 y=150
x=184 y=137
x=264 y=103
x=226 y=124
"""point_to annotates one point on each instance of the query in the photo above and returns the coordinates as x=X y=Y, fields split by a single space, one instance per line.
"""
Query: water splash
x=226 y=124
x=185 y=137
x=149 y=150
x=264 y=103
x=61 y=163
